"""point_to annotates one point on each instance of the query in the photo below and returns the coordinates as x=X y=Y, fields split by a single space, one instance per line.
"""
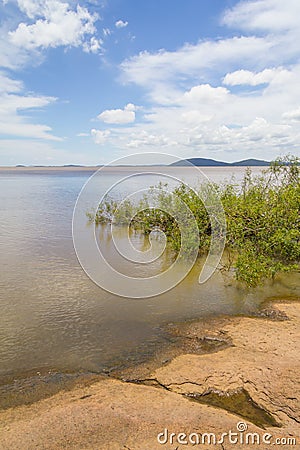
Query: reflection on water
x=54 y=317
x=124 y=259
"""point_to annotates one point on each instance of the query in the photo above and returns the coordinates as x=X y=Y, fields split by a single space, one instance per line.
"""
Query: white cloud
x=11 y=57
x=106 y=32
x=265 y=15
x=8 y=85
x=195 y=61
x=206 y=93
x=191 y=109
x=131 y=107
x=118 y=116
x=12 y=102
x=194 y=117
x=33 y=8
x=121 y=24
x=100 y=136
x=93 y=46
x=14 y=105
x=206 y=119
x=56 y=25
x=293 y=115
x=27 y=130
x=160 y=73
x=45 y=23
x=260 y=129
x=246 y=77
x=143 y=138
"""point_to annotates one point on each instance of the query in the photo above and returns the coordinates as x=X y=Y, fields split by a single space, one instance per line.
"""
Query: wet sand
x=253 y=360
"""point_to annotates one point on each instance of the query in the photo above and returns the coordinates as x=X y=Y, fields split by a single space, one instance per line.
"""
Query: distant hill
x=204 y=162
x=72 y=165
x=207 y=162
x=251 y=162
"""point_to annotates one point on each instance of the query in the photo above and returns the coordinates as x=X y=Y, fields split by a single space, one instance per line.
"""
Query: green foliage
x=262 y=217
x=263 y=222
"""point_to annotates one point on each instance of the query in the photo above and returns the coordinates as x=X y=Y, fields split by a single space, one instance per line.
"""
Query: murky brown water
x=54 y=318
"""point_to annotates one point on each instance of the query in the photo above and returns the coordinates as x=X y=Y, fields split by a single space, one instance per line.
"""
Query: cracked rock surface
x=111 y=414
x=264 y=361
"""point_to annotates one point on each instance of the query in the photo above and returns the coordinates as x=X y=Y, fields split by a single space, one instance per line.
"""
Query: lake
x=53 y=317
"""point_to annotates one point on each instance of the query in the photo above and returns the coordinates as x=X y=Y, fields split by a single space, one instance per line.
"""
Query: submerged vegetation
x=262 y=219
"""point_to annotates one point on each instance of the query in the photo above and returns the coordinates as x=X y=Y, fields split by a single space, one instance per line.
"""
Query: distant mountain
x=199 y=162
x=251 y=162
x=206 y=162
x=72 y=165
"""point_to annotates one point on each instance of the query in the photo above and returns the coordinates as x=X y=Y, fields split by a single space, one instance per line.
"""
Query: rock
x=263 y=361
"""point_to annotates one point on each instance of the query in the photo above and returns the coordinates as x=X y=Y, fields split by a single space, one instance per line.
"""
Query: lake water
x=53 y=317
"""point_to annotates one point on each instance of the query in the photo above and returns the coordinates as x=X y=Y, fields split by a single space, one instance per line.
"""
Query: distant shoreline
x=41 y=168
x=187 y=162
x=95 y=168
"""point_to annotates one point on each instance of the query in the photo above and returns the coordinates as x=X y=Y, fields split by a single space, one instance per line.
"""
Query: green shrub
x=262 y=218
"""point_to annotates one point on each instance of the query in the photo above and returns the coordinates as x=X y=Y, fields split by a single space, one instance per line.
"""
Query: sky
x=88 y=82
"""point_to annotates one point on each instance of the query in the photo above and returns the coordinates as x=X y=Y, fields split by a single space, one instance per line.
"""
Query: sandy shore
x=259 y=361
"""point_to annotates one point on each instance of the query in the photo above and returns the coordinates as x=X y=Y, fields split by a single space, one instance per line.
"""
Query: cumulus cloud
x=144 y=138
x=56 y=24
x=121 y=24
x=293 y=115
x=207 y=119
x=246 y=77
x=33 y=8
x=162 y=71
x=93 y=46
x=45 y=23
x=193 y=102
x=205 y=93
x=195 y=117
x=11 y=57
x=100 y=136
x=258 y=131
x=119 y=116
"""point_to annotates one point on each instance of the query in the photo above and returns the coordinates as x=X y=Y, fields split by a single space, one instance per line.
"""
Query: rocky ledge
x=250 y=386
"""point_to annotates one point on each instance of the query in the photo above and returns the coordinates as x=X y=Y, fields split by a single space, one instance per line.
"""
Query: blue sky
x=88 y=82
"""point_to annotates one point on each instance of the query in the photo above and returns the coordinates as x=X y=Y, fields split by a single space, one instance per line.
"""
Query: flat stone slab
x=112 y=414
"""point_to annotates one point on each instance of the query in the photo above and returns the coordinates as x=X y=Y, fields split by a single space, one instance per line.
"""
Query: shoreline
x=26 y=388
x=255 y=360
x=118 y=168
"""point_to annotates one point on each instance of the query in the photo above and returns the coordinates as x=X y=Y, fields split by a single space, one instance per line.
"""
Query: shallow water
x=53 y=317
x=238 y=402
